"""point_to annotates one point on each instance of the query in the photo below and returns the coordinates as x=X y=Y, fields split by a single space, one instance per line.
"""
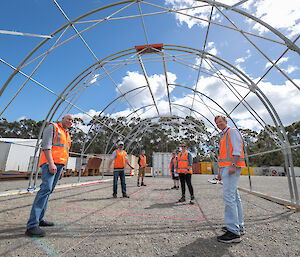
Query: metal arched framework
x=107 y=66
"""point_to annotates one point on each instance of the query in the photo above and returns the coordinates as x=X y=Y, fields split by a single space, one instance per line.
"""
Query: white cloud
x=278 y=14
x=94 y=79
x=243 y=59
x=86 y=117
x=201 y=12
x=21 y=118
x=290 y=69
x=282 y=60
x=248 y=124
x=274 y=12
x=157 y=84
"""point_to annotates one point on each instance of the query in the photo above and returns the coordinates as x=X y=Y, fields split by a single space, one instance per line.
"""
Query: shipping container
x=161 y=163
x=245 y=171
x=206 y=167
x=16 y=153
x=196 y=168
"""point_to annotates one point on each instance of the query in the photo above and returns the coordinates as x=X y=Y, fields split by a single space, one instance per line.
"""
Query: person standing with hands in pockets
x=56 y=143
x=231 y=160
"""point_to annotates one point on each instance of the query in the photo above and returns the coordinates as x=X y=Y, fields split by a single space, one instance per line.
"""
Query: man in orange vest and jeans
x=184 y=169
x=231 y=160
x=120 y=159
x=142 y=161
x=56 y=143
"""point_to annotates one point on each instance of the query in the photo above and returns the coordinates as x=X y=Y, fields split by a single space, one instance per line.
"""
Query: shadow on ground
x=204 y=247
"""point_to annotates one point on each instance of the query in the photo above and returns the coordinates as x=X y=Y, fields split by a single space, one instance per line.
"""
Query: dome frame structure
x=112 y=63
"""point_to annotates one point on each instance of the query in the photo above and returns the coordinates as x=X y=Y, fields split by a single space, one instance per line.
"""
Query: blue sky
x=67 y=61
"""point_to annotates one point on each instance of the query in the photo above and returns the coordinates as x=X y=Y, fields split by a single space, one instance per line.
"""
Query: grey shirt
x=48 y=137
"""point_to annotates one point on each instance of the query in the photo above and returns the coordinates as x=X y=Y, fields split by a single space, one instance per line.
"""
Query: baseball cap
x=120 y=143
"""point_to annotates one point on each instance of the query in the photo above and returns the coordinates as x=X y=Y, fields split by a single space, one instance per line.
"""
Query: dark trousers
x=186 y=178
x=120 y=173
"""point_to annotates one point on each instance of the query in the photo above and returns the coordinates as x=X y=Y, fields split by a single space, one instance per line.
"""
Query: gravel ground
x=89 y=222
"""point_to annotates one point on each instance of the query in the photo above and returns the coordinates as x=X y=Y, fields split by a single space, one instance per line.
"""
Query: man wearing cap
x=119 y=156
x=142 y=161
x=56 y=143
x=184 y=169
x=230 y=161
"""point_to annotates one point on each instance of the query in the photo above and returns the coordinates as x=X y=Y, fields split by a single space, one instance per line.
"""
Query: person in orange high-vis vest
x=120 y=159
x=142 y=161
x=174 y=174
x=184 y=169
x=56 y=143
x=231 y=160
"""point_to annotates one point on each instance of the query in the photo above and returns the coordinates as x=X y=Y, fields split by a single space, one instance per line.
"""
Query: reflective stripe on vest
x=120 y=159
x=226 y=149
x=174 y=162
x=61 y=144
x=183 y=163
x=142 y=161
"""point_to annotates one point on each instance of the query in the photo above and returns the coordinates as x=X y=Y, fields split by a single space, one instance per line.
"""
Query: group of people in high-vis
x=56 y=143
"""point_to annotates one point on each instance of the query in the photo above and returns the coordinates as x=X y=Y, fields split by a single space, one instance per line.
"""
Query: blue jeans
x=120 y=173
x=39 y=205
x=233 y=206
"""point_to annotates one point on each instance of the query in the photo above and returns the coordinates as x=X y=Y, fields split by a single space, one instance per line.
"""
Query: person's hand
x=52 y=168
x=62 y=174
x=232 y=170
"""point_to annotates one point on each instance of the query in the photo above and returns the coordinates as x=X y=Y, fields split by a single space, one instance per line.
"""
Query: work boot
x=142 y=184
x=125 y=196
x=44 y=223
x=138 y=184
x=174 y=187
x=182 y=199
x=114 y=195
x=35 y=232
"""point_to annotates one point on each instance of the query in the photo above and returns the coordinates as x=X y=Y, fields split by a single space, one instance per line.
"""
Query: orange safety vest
x=60 y=146
x=226 y=149
x=120 y=159
x=183 y=163
x=173 y=161
x=143 y=161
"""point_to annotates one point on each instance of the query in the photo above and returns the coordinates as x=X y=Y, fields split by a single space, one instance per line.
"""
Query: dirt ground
x=89 y=222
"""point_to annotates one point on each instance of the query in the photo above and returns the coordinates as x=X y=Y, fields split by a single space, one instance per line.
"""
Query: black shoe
x=125 y=196
x=192 y=197
x=44 y=223
x=174 y=187
x=182 y=199
x=229 y=237
x=242 y=231
x=177 y=188
x=35 y=232
x=138 y=184
x=114 y=195
x=191 y=202
x=142 y=184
